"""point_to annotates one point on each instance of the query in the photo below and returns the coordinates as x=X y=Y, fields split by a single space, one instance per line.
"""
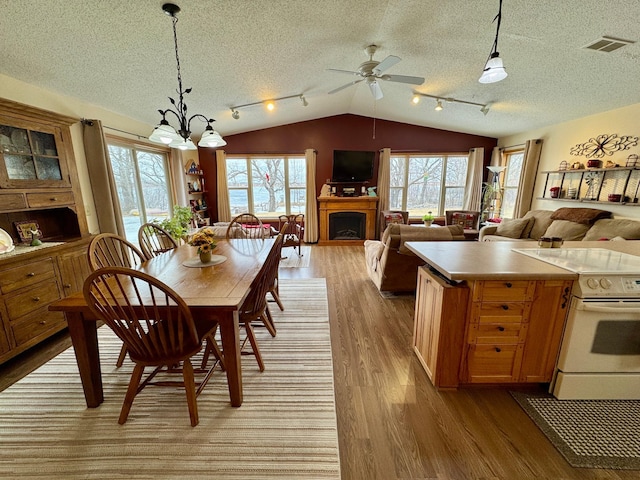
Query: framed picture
x=25 y=228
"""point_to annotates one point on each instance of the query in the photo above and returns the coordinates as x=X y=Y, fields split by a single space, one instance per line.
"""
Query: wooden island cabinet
x=38 y=184
x=489 y=324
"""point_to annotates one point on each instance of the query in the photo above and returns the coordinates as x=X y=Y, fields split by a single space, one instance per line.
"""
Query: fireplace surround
x=347 y=220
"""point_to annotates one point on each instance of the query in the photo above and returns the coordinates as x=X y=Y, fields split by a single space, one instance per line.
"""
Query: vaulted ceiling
x=119 y=54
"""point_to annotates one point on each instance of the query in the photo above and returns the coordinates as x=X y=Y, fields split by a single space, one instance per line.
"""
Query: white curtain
x=224 y=208
x=311 y=230
x=103 y=185
x=532 y=151
x=473 y=190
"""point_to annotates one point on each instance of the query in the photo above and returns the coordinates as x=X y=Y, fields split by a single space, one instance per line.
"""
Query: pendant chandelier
x=164 y=133
x=494 y=69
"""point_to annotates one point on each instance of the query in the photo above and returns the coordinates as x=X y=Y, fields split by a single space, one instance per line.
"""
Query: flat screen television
x=352 y=166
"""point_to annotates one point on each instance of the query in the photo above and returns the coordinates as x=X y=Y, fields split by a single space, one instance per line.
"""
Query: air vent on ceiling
x=608 y=44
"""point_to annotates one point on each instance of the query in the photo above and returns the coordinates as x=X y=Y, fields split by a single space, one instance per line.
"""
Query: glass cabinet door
x=31 y=158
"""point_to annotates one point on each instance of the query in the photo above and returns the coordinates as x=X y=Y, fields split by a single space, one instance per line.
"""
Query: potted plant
x=428 y=219
x=178 y=224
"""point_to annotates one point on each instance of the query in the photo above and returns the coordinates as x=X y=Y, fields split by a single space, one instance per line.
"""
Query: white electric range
x=600 y=352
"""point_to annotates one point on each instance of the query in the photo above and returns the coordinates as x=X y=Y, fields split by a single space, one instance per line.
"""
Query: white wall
x=22 y=92
x=558 y=140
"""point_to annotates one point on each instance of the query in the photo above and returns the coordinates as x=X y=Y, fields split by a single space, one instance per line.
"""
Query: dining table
x=213 y=291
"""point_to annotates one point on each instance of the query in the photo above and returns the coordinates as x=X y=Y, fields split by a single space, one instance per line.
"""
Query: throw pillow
x=466 y=220
x=393 y=218
x=512 y=228
x=541 y=221
x=614 y=227
x=567 y=230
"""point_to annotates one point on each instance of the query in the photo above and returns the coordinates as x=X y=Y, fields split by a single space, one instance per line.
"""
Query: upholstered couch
x=391 y=265
x=586 y=224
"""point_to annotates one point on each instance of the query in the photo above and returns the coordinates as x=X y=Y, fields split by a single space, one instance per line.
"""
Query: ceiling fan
x=371 y=71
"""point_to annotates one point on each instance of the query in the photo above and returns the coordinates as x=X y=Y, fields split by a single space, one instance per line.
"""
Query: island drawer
x=503 y=290
x=503 y=312
x=497 y=333
x=493 y=363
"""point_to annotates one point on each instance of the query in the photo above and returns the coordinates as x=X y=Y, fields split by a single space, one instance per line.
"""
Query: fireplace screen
x=347 y=226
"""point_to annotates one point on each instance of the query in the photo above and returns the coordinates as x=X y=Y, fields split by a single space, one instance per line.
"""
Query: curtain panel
x=473 y=189
x=103 y=186
x=311 y=229
x=532 y=151
x=224 y=207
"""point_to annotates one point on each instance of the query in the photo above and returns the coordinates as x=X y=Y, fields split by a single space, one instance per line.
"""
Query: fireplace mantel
x=329 y=205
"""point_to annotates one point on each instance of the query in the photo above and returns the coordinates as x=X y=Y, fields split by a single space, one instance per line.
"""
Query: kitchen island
x=486 y=314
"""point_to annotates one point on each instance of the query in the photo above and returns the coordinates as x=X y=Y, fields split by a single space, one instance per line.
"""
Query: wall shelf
x=593 y=185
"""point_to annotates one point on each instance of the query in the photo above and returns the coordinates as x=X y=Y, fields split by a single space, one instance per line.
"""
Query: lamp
x=493 y=200
x=494 y=69
x=164 y=133
x=270 y=104
x=484 y=108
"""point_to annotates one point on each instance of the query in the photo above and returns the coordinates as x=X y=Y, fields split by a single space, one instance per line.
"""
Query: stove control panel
x=598 y=285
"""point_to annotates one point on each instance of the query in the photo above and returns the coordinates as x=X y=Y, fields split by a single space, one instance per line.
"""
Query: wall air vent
x=608 y=44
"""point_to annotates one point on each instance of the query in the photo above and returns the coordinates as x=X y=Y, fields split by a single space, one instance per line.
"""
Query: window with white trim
x=267 y=186
x=511 y=182
x=421 y=183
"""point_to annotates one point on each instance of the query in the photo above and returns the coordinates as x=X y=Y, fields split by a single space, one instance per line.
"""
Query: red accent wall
x=340 y=132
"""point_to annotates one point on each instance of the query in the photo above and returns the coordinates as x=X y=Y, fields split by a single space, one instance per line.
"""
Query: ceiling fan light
x=494 y=70
x=438 y=106
x=416 y=99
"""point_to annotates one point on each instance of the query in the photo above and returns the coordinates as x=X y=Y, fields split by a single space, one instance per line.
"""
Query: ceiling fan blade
x=376 y=91
x=349 y=72
x=403 y=79
x=388 y=62
x=335 y=90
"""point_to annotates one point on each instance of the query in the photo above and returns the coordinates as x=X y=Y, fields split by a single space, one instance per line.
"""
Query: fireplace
x=347 y=220
x=347 y=226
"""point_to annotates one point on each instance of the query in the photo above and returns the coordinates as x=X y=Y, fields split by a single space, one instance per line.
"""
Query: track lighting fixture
x=269 y=104
x=494 y=69
x=484 y=108
x=164 y=133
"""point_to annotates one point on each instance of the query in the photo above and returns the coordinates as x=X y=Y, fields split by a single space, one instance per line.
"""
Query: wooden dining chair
x=156 y=326
x=246 y=225
x=154 y=240
x=294 y=231
x=274 y=279
x=111 y=250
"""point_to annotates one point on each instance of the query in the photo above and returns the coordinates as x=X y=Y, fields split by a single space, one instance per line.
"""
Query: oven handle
x=617 y=309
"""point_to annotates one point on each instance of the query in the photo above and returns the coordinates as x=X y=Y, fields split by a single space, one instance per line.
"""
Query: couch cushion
x=542 y=220
x=614 y=227
x=580 y=215
x=512 y=228
x=567 y=230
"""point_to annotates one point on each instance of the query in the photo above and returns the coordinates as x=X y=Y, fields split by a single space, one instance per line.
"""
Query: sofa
x=585 y=224
x=391 y=265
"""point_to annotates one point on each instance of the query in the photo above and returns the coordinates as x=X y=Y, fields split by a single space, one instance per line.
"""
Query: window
x=267 y=186
x=514 y=161
x=421 y=183
x=142 y=182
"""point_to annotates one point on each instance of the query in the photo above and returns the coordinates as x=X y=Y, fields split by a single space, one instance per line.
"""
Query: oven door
x=601 y=335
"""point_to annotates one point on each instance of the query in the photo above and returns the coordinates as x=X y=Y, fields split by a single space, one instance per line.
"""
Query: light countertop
x=458 y=260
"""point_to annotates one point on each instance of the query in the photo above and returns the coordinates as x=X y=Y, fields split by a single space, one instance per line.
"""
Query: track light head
x=304 y=101
x=438 y=106
x=235 y=114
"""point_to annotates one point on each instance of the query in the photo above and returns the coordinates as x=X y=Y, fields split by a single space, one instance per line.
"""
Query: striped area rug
x=285 y=429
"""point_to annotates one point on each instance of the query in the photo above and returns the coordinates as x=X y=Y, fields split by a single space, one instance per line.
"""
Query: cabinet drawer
x=500 y=333
x=504 y=312
x=49 y=199
x=39 y=323
x=503 y=291
x=27 y=274
x=38 y=296
x=12 y=201
x=493 y=363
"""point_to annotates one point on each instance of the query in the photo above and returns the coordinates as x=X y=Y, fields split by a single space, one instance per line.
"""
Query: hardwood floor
x=392 y=423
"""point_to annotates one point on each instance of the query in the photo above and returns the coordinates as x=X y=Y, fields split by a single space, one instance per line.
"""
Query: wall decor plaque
x=25 y=228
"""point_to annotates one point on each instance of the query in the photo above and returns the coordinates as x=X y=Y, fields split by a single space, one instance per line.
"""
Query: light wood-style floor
x=392 y=423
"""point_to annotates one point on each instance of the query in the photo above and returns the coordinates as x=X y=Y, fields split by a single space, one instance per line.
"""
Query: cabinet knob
x=67 y=285
x=501 y=328
x=498 y=349
x=43 y=322
x=505 y=307
x=36 y=299
x=508 y=284
x=31 y=274
x=54 y=199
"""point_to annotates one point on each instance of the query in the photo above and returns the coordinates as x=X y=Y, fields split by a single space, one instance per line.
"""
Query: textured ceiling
x=118 y=54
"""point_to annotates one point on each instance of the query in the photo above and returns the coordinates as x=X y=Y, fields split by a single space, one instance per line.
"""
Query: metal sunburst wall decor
x=605 y=144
